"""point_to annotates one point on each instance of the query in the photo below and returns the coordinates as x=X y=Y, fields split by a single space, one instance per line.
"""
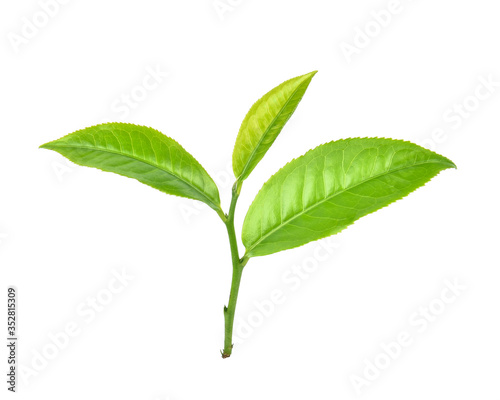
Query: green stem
x=237 y=272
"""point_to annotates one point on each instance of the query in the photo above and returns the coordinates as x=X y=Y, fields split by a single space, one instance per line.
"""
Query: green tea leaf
x=264 y=122
x=141 y=153
x=328 y=188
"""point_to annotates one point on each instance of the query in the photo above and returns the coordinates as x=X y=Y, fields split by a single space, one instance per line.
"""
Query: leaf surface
x=328 y=188
x=264 y=122
x=141 y=153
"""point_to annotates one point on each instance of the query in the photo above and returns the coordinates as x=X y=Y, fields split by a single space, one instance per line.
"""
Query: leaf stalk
x=238 y=265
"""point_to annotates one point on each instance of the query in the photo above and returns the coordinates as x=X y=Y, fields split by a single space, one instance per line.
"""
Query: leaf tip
x=310 y=75
x=45 y=146
x=447 y=162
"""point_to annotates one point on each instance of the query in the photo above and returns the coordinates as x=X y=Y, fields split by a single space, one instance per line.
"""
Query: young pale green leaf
x=264 y=122
x=328 y=188
x=141 y=153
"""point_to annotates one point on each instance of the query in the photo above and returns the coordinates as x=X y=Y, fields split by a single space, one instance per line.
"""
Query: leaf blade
x=264 y=122
x=140 y=153
x=330 y=187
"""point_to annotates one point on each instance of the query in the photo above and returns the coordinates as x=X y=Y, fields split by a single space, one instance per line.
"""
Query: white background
x=64 y=229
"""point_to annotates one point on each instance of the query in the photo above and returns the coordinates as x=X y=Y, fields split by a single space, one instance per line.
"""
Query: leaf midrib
x=268 y=129
x=248 y=251
x=209 y=201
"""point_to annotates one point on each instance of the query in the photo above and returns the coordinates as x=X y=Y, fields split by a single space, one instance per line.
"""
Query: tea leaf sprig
x=313 y=196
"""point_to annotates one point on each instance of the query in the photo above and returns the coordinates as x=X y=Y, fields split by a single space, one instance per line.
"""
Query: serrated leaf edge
x=452 y=165
x=52 y=145
x=242 y=176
